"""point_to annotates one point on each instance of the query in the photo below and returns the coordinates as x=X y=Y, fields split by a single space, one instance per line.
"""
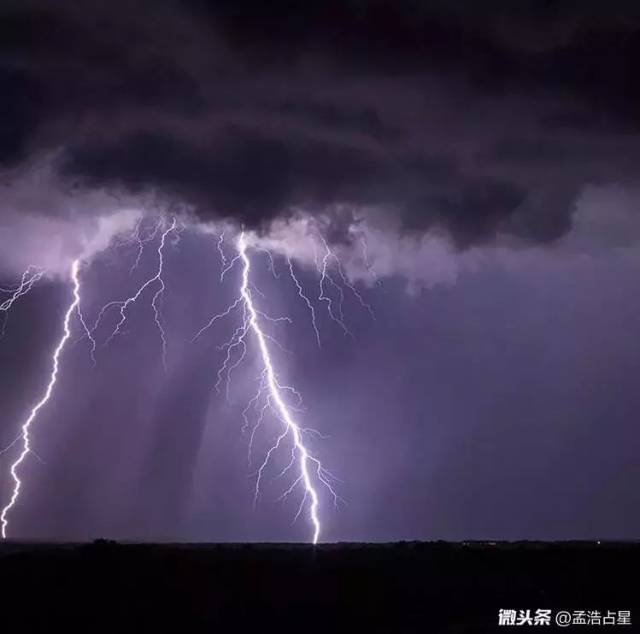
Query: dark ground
x=395 y=588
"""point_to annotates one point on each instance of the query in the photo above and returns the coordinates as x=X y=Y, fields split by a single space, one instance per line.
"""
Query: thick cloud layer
x=476 y=121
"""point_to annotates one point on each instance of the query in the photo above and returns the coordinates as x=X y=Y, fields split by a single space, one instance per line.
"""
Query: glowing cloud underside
x=26 y=427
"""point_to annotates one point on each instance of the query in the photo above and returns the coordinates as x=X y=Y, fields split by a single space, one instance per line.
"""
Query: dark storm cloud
x=474 y=121
x=244 y=172
x=20 y=112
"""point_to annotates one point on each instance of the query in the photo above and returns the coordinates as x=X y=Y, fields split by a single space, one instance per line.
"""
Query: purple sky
x=476 y=173
x=500 y=406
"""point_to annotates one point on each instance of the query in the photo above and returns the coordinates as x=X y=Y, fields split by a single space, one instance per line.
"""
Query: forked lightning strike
x=272 y=397
x=123 y=305
x=275 y=397
x=271 y=393
x=141 y=241
x=305 y=299
x=26 y=427
x=31 y=275
x=324 y=276
x=345 y=281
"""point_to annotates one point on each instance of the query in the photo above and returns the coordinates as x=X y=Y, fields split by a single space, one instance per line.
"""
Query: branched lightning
x=272 y=265
x=270 y=396
x=279 y=405
x=141 y=241
x=26 y=427
x=306 y=300
x=88 y=334
x=30 y=276
x=223 y=257
x=237 y=341
x=346 y=282
x=325 y=276
x=123 y=305
x=11 y=444
x=367 y=263
x=273 y=401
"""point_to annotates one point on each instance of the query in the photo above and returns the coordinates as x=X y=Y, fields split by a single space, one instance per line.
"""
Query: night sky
x=473 y=167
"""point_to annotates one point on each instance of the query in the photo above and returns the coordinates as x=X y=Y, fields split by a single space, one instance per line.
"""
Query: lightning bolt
x=306 y=300
x=275 y=396
x=326 y=276
x=373 y=275
x=123 y=305
x=223 y=257
x=30 y=276
x=345 y=280
x=26 y=427
x=281 y=401
x=271 y=393
x=141 y=241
